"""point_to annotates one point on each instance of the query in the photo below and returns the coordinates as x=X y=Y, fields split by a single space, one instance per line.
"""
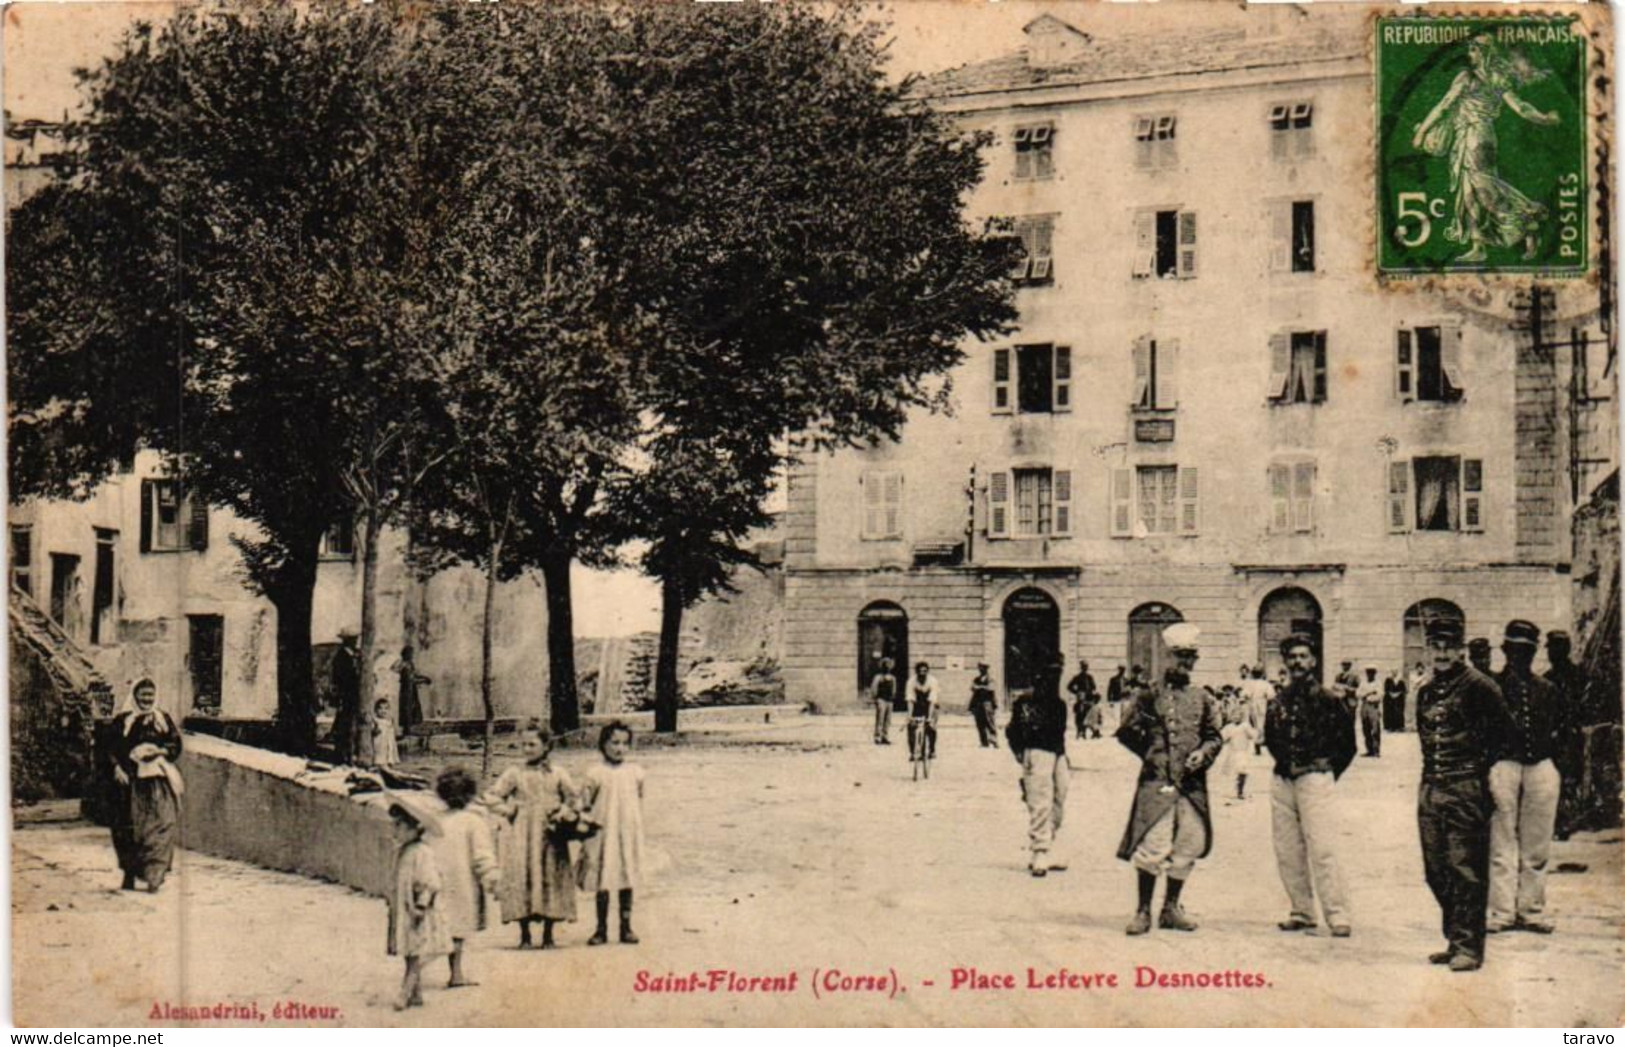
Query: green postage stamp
x=1482 y=145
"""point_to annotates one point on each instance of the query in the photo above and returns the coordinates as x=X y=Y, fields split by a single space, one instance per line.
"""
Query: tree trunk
x=487 y=704
x=293 y=596
x=362 y=743
x=671 y=631
x=563 y=712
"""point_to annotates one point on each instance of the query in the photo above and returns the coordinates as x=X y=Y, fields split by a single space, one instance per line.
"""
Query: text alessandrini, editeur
x=835 y=981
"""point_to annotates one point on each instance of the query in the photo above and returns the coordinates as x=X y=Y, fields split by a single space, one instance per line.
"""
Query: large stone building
x=1212 y=410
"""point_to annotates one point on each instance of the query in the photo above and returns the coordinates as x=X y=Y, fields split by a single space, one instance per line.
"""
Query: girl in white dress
x=612 y=859
x=1237 y=755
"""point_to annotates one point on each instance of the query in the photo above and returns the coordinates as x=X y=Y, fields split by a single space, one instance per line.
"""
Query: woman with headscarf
x=143 y=744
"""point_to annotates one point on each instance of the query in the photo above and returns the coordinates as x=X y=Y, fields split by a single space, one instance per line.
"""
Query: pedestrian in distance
x=1394 y=694
x=1175 y=731
x=612 y=858
x=1310 y=736
x=386 y=750
x=984 y=706
x=1085 y=697
x=1369 y=695
x=1460 y=717
x=1237 y=754
x=1116 y=691
x=1037 y=737
x=417 y=926
x=883 y=692
x=537 y=816
x=1525 y=785
x=469 y=873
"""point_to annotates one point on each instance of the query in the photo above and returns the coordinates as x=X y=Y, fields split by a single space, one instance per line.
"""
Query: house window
x=1042 y=503
x=1165 y=244
x=1292 y=236
x=1298 y=367
x=1436 y=493
x=1292 y=497
x=1037 y=233
x=338 y=541
x=22 y=558
x=882 y=505
x=1156 y=368
x=1154 y=500
x=1428 y=364
x=1291 y=136
x=1042 y=378
x=1035 y=151
x=1154 y=147
x=172 y=519
x=104 y=586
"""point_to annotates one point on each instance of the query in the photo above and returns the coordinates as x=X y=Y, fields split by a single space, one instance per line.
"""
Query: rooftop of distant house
x=1058 y=54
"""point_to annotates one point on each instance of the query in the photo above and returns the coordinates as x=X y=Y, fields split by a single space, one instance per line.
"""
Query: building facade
x=1212 y=411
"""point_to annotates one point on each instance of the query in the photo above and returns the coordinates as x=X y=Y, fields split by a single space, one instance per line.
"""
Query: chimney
x=1051 y=43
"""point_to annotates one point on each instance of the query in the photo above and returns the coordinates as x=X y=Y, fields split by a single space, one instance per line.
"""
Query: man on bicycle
x=922 y=711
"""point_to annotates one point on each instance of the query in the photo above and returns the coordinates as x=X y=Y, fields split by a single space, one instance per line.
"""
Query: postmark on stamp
x=1481 y=145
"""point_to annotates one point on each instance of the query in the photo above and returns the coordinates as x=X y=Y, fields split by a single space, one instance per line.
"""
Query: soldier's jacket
x=1539 y=718
x=1309 y=729
x=1166 y=725
x=1461 y=720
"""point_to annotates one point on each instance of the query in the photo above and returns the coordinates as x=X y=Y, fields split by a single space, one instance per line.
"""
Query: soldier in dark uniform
x=1174 y=730
x=1460 y=715
x=1084 y=698
x=1570 y=684
x=983 y=704
x=1524 y=783
x=1037 y=737
x=1478 y=654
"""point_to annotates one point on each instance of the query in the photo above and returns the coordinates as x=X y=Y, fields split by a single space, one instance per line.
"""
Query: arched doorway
x=1145 y=647
x=1032 y=637
x=882 y=633
x=1283 y=612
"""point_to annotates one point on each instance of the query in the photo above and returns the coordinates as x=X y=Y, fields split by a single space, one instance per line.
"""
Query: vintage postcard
x=774 y=514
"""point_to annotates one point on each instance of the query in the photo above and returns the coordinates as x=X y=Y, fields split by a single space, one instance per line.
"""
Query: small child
x=468 y=862
x=536 y=802
x=385 y=752
x=1238 y=734
x=612 y=860
x=417 y=928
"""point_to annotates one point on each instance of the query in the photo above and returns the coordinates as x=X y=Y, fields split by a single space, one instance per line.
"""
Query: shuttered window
x=171 y=519
x=882 y=505
x=1428 y=365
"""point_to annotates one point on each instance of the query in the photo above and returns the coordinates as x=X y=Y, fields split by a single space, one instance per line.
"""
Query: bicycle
x=919 y=746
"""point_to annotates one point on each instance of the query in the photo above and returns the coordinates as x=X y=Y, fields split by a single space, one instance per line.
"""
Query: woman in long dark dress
x=144 y=743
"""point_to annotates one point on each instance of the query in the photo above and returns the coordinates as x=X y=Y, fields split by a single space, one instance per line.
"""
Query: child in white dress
x=1238 y=734
x=612 y=860
x=417 y=926
x=385 y=751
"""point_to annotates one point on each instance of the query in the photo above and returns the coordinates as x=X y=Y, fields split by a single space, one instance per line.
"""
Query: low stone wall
x=249 y=805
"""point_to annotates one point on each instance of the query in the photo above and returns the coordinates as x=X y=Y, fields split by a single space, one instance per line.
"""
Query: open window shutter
x=1320 y=367
x=1145 y=243
x=1280 y=137
x=1187 y=244
x=1280 y=227
x=1142 y=373
x=1280 y=364
x=1040 y=246
x=1303 y=496
x=891 y=498
x=197 y=522
x=1167 y=390
x=1062 y=400
x=998 y=505
x=1001 y=381
x=146 y=516
x=1450 y=356
x=1024 y=152
x=1062 y=488
x=1405 y=366
x=1043 y=151
x=1190 y=519
x=1280 y=498
x=1399 y=496
x=1122 y=503
x=1472 y=494
x=873 y=510
x=1142 y=142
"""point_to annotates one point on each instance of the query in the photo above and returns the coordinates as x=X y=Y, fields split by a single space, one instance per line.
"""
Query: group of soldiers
x=1488 y=799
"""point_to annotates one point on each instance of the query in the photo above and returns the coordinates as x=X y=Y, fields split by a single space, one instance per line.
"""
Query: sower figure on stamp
x=983 y=705
x=1460 y=714
x=1174 y=730
x=1037 y=736
x=1311 y=738
x=1525 y=784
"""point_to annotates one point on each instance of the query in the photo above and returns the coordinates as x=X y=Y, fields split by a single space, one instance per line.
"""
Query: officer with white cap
x=1174 y=730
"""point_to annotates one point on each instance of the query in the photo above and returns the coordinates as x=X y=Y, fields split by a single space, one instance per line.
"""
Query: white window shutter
x=1167 y=391
x=1062 y=398
x=1450 y=356
x=1061 y=490
x=873 y=507
x=1001 y=384
x=1303 y=496
x=1405 y=366
x=1472 y=494
x=1280 y=364
x=1187 y=244
x=1399 y=496
x=998 y=504
x=1142 y=373
x=1122 y=503
x=1145 y=243
x=1280 y=498
x=1190 y=519
x=892 y=502
x=1280 y=228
